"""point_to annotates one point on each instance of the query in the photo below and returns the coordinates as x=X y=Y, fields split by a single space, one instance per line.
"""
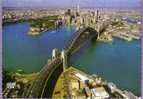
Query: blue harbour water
x=118 y=62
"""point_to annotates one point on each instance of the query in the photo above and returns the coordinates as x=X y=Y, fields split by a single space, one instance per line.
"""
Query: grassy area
x=59 y=89
x=26 y=78
x=10 y=21
x=37 y=26
x=45 y=22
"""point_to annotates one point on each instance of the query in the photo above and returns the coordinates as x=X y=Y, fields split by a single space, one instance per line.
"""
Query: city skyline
x=72 y=3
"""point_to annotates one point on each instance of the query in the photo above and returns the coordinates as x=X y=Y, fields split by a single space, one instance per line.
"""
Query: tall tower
x=97 y=16
x=78 y=8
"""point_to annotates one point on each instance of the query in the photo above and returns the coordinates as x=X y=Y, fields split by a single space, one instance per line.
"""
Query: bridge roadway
x=44 y=85
x=38 y=88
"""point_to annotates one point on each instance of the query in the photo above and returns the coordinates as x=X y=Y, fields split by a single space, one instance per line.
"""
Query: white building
x=99 y=93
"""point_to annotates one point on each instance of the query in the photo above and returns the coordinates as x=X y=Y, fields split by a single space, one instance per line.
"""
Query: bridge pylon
x=55 y=53
x=64 y=58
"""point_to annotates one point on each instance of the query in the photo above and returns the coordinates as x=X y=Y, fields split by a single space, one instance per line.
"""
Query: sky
x=71 y=3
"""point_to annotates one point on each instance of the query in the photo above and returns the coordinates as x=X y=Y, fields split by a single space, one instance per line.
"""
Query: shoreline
x=75 y=75
x=108 y=40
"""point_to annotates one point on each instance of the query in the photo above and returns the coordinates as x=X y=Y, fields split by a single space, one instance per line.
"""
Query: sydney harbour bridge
x=43 y=86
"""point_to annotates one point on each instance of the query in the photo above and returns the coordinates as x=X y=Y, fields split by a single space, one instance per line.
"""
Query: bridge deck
x=44 y=74
x=78 y=39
